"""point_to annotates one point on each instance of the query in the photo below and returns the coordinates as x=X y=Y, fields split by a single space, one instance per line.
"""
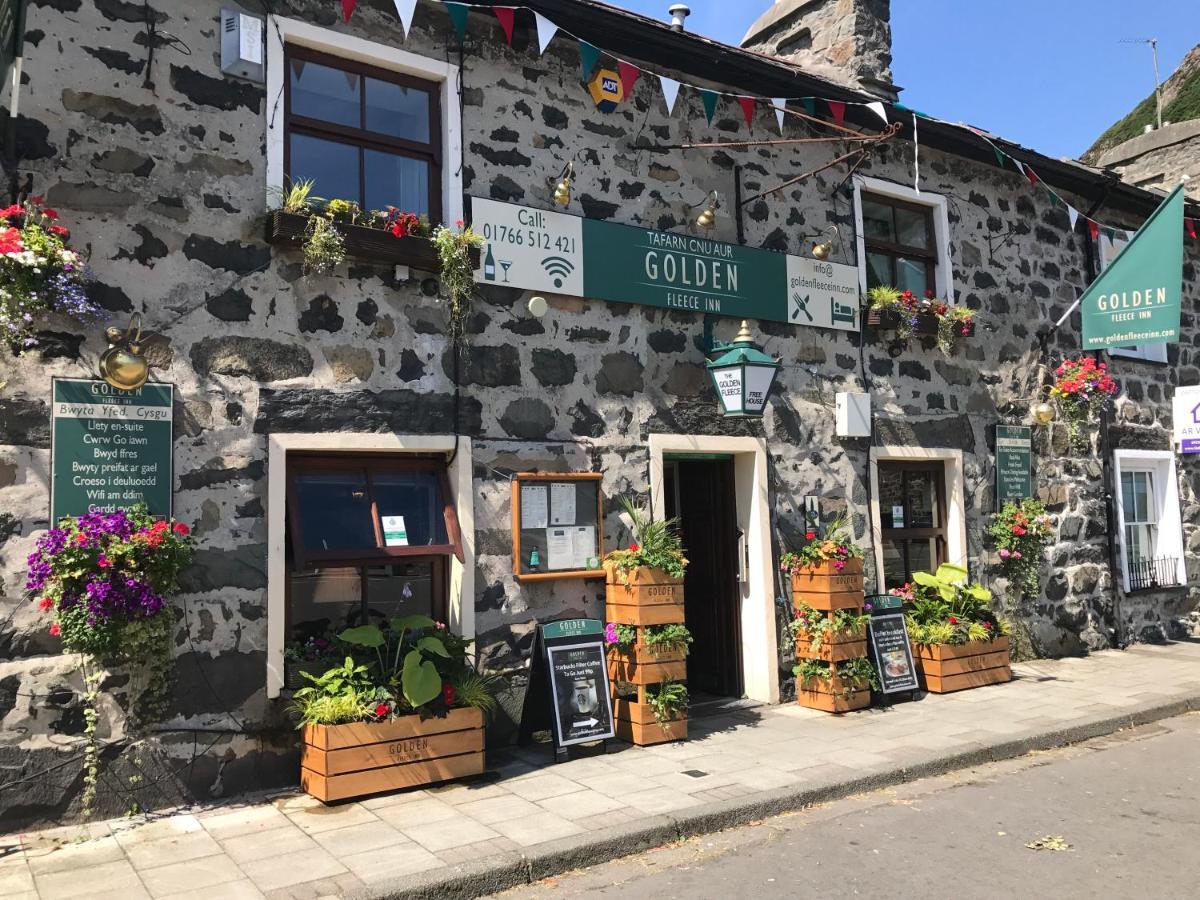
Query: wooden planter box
x=642 y=665
x=926 y=324
x=827 y=588
x=648 y=597
x=943 y=668
x=828 y=696
x=635 y=723
x=342 y=761
x=835 y=647
x=373 y=244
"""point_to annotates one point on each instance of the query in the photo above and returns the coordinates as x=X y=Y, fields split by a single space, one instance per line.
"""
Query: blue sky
x=1051 y=74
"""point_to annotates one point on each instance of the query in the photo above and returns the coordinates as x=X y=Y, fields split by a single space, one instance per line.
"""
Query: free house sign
x=540 y=250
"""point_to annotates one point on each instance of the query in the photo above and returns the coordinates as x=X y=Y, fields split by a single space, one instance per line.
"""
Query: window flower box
x=371 y=244
x=925 y=324
x=641 y=664
x=826 y=587
x=833 y=646
x=943 y=668
x=342 y=761
x=643 y=596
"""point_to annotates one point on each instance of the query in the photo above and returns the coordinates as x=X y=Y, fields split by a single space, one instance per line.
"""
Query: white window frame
x=1107 y=251
x=944 y=269
x=1169 y=530
x=956 y=508
x=282 y=31
x=461 y=587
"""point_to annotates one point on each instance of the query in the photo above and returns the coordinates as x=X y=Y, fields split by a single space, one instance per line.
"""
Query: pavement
x=528 y=818
x=1120 y=812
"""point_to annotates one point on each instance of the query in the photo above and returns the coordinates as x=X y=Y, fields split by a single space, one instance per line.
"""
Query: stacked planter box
x=943 y=668
x=646 y=597
x=827 y=589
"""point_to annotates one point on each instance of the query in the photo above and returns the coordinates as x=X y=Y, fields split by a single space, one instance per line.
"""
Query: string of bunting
x=628 y=72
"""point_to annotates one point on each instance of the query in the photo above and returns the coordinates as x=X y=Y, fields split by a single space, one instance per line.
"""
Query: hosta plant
x=948 y=609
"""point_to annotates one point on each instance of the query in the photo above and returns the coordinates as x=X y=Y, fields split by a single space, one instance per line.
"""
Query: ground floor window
x=912 y=516
x=1148 y=508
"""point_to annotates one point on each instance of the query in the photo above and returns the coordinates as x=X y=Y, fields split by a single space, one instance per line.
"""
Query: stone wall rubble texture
x=165 y=188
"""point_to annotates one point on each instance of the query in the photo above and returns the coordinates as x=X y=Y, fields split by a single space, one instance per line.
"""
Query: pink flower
x=104 y=562
x=181 y=529
x=1004 y=554
x=1016 y=554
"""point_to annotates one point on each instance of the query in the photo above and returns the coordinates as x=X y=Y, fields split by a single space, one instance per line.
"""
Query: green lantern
x=742 y=375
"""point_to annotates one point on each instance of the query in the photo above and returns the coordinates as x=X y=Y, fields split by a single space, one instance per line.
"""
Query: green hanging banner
x=1136 y=300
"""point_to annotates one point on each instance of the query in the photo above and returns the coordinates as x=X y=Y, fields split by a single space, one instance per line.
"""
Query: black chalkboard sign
x=568 y=691
x=892 y=651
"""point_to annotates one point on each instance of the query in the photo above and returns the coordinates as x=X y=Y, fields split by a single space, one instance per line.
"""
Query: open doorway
x=699 y=491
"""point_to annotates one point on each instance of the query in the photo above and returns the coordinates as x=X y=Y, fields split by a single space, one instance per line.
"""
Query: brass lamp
x=1044 y=413
x=122 y=365
x=708 y=215
x=562 y=190
x=822 y=250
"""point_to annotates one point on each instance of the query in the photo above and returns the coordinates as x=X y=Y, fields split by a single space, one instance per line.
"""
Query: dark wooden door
x=708 y=524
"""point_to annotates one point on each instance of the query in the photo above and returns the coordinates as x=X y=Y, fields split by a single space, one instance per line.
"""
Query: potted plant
x=830 y=636
x=958 y=641
x=1082 y=388
x=835 y=687
x=104 y=579
x=405 y=709
x=458 y=256
x=39 y=273
x=647 y=655
x=1021 y=530
x=827 y=572
x=644 y=582
x=313 y=649
x=654 y=715
x=892 y=309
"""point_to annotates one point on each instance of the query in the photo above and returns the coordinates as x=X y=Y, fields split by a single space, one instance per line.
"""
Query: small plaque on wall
x=558 y=525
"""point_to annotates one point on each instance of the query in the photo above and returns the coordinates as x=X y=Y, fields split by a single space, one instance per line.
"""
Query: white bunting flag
x=1128 y=235
x=780 y=104
x=877 y=108
x=406 y=8
x=1020 y=168
x=1072 y=213
x=546 y=31
x=670 y=89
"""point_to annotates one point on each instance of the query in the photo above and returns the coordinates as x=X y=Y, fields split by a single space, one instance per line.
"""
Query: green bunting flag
x=458 y=15
x=588 y=57
x=809 y=104
x=999 y=156
x=709 y=99
x=1053 y=199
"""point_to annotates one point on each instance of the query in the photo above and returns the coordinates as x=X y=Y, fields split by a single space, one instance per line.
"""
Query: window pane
x=912 y=228
x=398 y=181
x=879 y=270
x=335 y=512
x=397 y=110
x=1127 y=496
x=920 y=500
x=402 y=589
x=920 y=557
x=1142 y=487
x=894 y=573
x=332 y=166
x=325 y=599
x=877 y=221
x=321 y=92
x=417 y=496
x=911 y=275
x=891 y=496
x=1139 y=542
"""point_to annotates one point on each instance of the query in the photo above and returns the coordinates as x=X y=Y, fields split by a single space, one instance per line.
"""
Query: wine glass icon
x=504 y=264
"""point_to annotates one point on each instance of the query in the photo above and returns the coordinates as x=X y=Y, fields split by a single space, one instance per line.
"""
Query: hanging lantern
x=122 y=365
x=562 y=191
x=1043 y=413
x=742 y=375
x=708 y=215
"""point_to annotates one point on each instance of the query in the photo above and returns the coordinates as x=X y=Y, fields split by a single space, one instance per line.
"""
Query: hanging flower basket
x=1082 y=388
x=907 y=315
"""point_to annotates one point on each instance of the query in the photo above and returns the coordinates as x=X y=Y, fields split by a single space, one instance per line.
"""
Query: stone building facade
x=163 y=168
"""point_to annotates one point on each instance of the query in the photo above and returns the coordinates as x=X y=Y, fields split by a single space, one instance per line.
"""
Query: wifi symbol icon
x=558 y=268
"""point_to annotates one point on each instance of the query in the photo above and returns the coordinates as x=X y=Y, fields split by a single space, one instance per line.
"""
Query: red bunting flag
x=748 y=104
x=1093 y=229
x=1032 y=176
x=348 y=7
x=1189 y=226
x=629 y=74
x=505 y=15
x=838 y=110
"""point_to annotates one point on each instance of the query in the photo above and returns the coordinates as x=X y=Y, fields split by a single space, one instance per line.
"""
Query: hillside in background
x=1181 y=102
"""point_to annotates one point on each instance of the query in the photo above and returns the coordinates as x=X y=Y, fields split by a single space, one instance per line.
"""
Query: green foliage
x=1184 y=107
x=667 y=700
x=946 y=609
x=656 y=544
x=476 y=690
x=854 y=674
x=324 y=246
x=836 y=547
x=816 y=624
x=295 y=197
x=1021 y=530
x=666 y=637
x=332 y=709
x=457 y=273
x=626 y=636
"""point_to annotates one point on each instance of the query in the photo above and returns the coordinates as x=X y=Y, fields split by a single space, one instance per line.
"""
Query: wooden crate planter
x=835 y=646
x=342 y=761
x=827 y=588
x=635 y=723
x=943 y=668
x=830 y=696
x=647 y=597
x=642 y=665
x=373 y=244
x=925 y=325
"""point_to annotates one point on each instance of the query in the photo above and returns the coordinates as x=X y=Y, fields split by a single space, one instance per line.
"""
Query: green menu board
x=111 y=449
x=1014 y=458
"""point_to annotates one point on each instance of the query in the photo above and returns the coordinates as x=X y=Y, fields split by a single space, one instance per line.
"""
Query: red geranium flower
x=50 y=214
x=381 y=710
x=953 y=621
x=59 y=231
x=37 y=199
x=182 y=529
x=634 y=546
x=45 y=603
x=55 y=630
x=810 y=535
x=458 y=222
x=9 y=211
x=448 y=693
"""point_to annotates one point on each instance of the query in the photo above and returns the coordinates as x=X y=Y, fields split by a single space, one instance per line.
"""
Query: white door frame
x=760 y=646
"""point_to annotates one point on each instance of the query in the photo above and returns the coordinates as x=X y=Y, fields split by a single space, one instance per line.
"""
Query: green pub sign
x=111 y=449
x=1014 y=460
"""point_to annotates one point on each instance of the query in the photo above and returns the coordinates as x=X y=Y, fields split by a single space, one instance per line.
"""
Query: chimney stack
x=678 y=12
x=848 y=41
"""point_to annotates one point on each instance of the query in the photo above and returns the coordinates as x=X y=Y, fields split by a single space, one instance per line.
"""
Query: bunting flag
x=838 y=110
x=1054 y=200
x=1073 y=215
x=348 y=7
x=458 y=15
x=405 y=10
x=1016 y=162
x=1032 y=176
x=877 y=108
x=589 y=55
x=628 y=73
x=810 y=105
x=748 y=104
x=780 y=104
x=1190 y=226
x=1093 y=229
x=506 y=14
x=709 y=99
x=670 y=89
x=546 y=31
x=999 y=155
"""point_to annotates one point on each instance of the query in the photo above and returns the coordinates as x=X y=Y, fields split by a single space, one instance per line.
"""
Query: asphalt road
x=1127 y=805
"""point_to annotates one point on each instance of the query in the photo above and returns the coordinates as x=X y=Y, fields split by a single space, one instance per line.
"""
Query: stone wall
x=165 y=188
x=1160 y=159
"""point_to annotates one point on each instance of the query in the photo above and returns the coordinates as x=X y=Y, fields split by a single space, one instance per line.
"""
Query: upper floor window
x=900 y=243
x=362 y=133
